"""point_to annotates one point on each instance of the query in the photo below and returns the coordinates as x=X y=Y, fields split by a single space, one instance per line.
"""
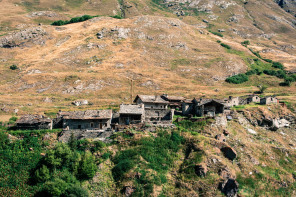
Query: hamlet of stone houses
x=146 y=111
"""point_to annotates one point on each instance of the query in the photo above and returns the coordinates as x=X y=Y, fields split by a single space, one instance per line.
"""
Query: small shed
x=131 y=114
x=87 y=120
x=33 y=122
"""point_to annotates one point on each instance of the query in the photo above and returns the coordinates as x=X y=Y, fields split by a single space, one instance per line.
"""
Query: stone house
x=209 y=107
x=151 y=101
x=253 y=99
x=131 y=114
x=269 y=100
x=34 y=122
x=175 y=102
x=187 y=107
x=86 y=120
x=232 y=101
x=159 y=116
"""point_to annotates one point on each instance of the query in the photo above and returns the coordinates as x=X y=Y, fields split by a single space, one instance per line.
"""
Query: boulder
x=80 y=102
x=225 y=132
x=128 y=190
x=201 y=170
x=229 y=152
x=229 y=187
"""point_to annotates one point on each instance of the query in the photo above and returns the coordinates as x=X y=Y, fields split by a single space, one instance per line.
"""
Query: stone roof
x=131 y=109
x=150 y=99
x=33 y=119
x=87 y=115
x=205 y=101
x=174 y=98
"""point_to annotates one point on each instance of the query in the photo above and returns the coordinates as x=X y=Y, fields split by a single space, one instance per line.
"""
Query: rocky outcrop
x=35 y=35
x=229 y=152
x=229 y=187
x=201 y=170
x=288 y=5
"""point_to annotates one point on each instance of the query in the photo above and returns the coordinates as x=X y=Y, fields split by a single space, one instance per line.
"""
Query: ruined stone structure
x=232 y=101
x=253 y=99
x=268 y=100
x=86 y=120
x=131 y=114
x=34 y=122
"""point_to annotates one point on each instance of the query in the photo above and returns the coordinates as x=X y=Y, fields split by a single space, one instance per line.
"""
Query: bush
x=42 y=174
x=253 y=72
x=225 y=46
x=13 y=67
x=256 y=53
x=216 y=33
x=237 y=79
x=268 y=60
x=278 y=65
x=73 y=20
x=117 y=16
x=87 y=167
x=245 y=43
x=279 y=74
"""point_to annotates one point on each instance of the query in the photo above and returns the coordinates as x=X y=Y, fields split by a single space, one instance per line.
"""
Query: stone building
x=187 y=107
x=253 y=99
x=131 y=114
x=151 y=101
x=232 y=101
x=175 y=102
x=159 y=116
x=34 y=122
x=269 y=100
x=209 y=107
x=86 y=120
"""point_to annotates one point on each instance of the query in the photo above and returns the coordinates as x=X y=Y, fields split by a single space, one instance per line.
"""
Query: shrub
x=216 y=33
x=280 y=73
x=256 y=53
x=117 y=16
x=76 y=191
x=56 y=187
x=87 y=167
x=121 y=168
x=237 y=79
x=73 y=20
x=245 y=43
x=225 y=46
x=13 y=67
x=253 y=72
x=268 y=60
x=278 y=65
x=42 y=174
x=262 y=89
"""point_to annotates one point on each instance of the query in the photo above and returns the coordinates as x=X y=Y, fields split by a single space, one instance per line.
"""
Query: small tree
x=13 y=67
x=72 y=142
x=88 y=167
x=42 y=174
x=262 y=88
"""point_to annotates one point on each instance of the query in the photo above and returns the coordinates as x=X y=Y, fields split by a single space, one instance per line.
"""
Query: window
x=79 y=126
x=92 y=125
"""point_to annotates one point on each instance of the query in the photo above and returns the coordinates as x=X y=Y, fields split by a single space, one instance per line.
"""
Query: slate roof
x=87 y=115
x=131 y=109
x=174 y=98
x=151 y=99
x=205 y=101
x=33 y=119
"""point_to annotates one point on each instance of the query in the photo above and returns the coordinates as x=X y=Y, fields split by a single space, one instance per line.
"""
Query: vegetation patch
x=73 y=20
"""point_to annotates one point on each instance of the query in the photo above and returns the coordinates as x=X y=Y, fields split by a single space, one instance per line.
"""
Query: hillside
x=165 y=47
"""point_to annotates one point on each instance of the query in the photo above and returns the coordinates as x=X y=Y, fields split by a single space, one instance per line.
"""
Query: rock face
x=35 y=35
x=229 y=187
x=201 y=170
x=288 y=5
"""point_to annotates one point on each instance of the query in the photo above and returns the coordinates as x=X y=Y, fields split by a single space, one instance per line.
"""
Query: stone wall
x=86 y=124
